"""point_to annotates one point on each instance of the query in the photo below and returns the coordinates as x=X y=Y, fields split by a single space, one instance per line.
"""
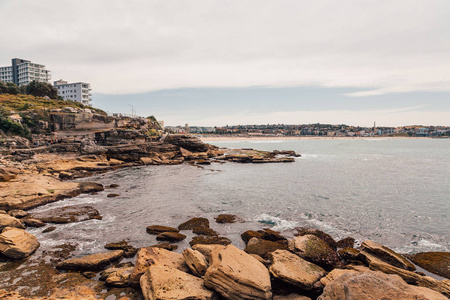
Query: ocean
x=393 y=191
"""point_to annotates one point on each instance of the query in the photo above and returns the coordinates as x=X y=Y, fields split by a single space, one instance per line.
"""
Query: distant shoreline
x=263 y=138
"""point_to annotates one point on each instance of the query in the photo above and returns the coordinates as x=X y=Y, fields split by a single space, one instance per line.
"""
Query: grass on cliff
x=20 y=103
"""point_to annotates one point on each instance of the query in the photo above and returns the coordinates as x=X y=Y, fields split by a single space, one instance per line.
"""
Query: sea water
x=393 y=191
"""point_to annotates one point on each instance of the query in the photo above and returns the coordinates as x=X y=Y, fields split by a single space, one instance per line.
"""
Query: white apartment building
x=77 y=91
x=23 y=72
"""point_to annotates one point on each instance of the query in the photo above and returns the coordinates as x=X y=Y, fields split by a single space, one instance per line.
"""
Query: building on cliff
x=76 y=91
x=22 y=72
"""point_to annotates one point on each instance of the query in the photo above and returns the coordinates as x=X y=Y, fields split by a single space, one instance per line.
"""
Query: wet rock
x=350 y=255
x=291 y=297
x=294 y=270
x=112 y=195
x=196 y=261
x=157 y=229
x=117 y=277
x=16 y=243
x=129 y=251
x=410 y=277
x=375 y=285
x=435 y=262
x=49 y=229
x=29 y=222
x=17 y=213
x=315 y=250
x=225 y=218
x=165 y=283
x=150 y=256
x=90 y=187
x=324 y=236
x=202 y=162
x=170 y=236
x=208 y=240
x=262 y=247
x=204 y=231
x=166 y=246
x=89 y=274
x=246 y=236
x=113 y=186
x=90 y=262
x=387 y=255
x=9 y=221
x=237 y=275
x=194 y=222
x=271 y=235
x=68 y=214
x=348 y=242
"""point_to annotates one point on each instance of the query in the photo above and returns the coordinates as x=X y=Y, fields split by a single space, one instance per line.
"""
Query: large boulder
x=335 y=274
x=150 y=256
x=249 y=234
x=262 y=247
x=91 y=262
x=324 y=236
x=237 y=275
x=196 y=261
x=188 y=142
x=315 y=250
x=165 y=283
x=10 y=221
x=68 y=214
x=375 y=285
x=90 y=187
x=387 y=255
x=435 y=262
x=194 y=222
x=211 y=252
x=117 y=277
x=294 y=270
x=16 y=243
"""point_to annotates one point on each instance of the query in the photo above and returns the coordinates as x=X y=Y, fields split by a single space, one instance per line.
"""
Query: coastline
x=305 y=138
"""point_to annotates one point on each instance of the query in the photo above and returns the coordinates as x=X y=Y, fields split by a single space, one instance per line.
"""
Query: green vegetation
x=34 y=88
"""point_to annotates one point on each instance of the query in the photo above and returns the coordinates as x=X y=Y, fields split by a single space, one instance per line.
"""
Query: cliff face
x=82 y=120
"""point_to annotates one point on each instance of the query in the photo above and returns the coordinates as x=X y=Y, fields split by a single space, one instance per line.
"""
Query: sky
x=215 y=63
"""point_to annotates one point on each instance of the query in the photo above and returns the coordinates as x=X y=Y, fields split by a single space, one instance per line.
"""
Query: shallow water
x=393 y=191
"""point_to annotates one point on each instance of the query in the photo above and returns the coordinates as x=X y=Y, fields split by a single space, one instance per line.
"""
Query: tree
x=12 y=88
x=3 y=88
x=41 y=89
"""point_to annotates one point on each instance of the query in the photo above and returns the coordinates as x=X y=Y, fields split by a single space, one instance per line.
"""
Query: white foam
x=428 y=244
x=278 y=223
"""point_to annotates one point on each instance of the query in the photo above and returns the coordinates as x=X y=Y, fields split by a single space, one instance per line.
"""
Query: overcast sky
x=245 y=62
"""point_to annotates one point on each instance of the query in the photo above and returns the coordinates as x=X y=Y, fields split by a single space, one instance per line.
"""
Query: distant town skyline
x=213 y=63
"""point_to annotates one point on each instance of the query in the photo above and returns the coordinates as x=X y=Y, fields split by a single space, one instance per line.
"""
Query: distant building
x=77 y=91
x=23 y=72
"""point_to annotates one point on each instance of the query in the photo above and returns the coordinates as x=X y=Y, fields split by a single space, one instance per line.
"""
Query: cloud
x=139 y=46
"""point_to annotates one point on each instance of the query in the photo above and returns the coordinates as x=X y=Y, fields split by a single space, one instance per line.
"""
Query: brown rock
x=16 y=243
x=335 y=274
x=348 y=242
x=157 y=229
x=208 y=240
x=324 y=236
x=294 y=270
x=49 y=229
x=156 y=256
x=112 y=195
x=225 y=218
x=262 y=247
x=166 y=246
x=68 y=214
x=122 y=245
x=33 y=222
x=194 y=222
x=113 y=186
x=246 y=236
x=271 y=235
x=90 y=262
x=349 y=254
x=315 y=250
x=165 y=283
x=89 y=187
x=204 y=231
x=237 y=275
x=117 y=277
x=387 y=255
x=89 y=274
x=9 y=221
x=17 y=213
x=375 y=285
x=291 y=297
x=211 y=252
x=435 y=262
x=170 y=236
x=196 y=261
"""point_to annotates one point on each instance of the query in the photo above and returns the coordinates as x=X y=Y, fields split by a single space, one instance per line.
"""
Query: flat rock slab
x=157 y=229
x=91 y=262
x=16 y=243
x=387 y=255
x=164 y=283
x=170 y=236
x=194 y=222
x=435 y=262
x=294 y=270
x=375 y=285
x=68 y=214
x=210 y=240
x=237 y=275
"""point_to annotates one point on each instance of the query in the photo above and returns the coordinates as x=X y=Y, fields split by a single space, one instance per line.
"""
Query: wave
x=277 y=223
